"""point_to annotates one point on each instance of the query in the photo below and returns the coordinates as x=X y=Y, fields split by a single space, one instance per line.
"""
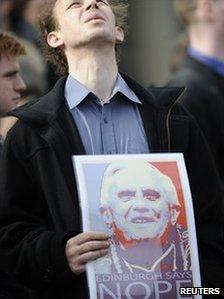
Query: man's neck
x=96 y=69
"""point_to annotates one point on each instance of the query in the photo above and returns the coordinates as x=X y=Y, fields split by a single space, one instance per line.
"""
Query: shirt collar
x=215 y=64
x=76 y=92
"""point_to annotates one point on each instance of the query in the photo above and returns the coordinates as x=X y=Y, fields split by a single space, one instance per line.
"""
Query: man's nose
x=19 y=84
x=92 y=4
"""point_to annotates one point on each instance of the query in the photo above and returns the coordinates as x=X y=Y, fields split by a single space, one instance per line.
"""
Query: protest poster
x=144 y=202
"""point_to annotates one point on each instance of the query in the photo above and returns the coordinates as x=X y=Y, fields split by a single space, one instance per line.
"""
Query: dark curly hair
x=47 y=23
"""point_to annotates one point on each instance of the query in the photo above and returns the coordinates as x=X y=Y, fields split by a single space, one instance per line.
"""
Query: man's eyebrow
x=10 y=73
x=105 y=1
x=68 y=3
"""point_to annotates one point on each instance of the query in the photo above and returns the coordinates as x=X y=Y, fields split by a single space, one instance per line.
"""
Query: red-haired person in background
x=11 y=84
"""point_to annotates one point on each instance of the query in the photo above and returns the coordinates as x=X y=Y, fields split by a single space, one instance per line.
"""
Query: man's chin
x=98 y=36
x=138 y=236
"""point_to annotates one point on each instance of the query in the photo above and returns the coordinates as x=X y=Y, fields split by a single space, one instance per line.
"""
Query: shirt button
x=105 y=120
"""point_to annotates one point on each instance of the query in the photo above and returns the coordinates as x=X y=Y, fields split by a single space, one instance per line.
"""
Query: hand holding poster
x=144 y=203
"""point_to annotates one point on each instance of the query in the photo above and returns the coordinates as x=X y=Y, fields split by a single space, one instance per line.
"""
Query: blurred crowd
x=20 y=20
x=21 y=17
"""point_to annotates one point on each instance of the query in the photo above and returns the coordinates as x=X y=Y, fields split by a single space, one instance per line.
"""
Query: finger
x=76 y=250
x=78 y=269
x=92 y=246
x=91 y=256
x=90 y=236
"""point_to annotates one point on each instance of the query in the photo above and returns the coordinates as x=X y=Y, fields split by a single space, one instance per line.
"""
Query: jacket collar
x=42 y=112
x=161 y=98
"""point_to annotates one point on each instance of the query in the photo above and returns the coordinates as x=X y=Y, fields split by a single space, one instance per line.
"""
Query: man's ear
x=107 y=217
x=119 y=35
x=174 y=215
x=54 y=40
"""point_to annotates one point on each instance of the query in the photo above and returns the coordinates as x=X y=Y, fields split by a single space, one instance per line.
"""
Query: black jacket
x=204 y=98
x=39 y=209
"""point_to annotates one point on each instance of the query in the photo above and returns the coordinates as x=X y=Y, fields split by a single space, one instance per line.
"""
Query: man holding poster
x=93 y=109
x=140 y=206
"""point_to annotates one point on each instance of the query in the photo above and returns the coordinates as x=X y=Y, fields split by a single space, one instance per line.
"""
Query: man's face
x=11 y=83
x=5 y=7
x=82 y=22
x=212 y=14
x=138 y=205
x=219 y=17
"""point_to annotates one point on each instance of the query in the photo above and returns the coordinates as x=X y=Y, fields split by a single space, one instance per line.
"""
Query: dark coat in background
x=1 y=147
x=39 y=209
x=204 y=98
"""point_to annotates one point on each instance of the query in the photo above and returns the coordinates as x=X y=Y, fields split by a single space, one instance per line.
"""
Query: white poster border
x=80 y=160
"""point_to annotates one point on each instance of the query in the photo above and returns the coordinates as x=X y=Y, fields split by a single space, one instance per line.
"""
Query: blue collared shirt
x=215 y=64
x=114 y=128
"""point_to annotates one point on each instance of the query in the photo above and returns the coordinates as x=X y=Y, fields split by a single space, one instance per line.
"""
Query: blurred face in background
x=11 y=83
x=32 y=11
x=211 y=13
x=218 y=7
x=5 y=7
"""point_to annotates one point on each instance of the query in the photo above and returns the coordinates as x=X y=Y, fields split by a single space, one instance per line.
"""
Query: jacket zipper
x=168 y=120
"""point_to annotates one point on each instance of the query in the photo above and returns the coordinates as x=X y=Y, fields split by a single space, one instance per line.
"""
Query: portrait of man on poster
x=140 y=206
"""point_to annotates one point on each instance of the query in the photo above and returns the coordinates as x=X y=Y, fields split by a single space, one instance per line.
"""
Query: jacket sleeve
x=30 y=249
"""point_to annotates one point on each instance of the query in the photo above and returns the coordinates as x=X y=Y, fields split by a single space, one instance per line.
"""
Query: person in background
x=202 y=71
x=11 y=84
x=14 y=66
x=6 y=7
x=24 y=19
x=93 y=109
